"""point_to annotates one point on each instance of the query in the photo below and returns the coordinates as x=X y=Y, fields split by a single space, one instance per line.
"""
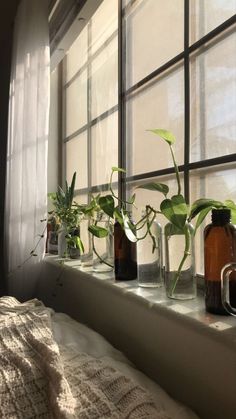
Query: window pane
x=76 y=160
x=207 y=15
x=218 y=184
x=105 y=79
x=77 y=54
x=161 y=105
x=76 y=104
x=213 y=101
x=104 y=149
x=104 y=23
x=149 y=36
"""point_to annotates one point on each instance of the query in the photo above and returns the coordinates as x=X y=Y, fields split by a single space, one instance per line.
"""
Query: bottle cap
x=221 y=216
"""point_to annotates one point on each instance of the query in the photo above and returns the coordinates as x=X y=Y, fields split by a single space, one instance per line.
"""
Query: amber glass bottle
x=125 y=255
x=219 y=249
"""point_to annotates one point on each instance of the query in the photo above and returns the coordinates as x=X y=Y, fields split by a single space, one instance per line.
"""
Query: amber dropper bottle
x=125 y=253
x=219 y=249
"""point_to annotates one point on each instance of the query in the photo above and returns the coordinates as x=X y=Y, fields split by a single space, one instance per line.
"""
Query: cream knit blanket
x=38 y=381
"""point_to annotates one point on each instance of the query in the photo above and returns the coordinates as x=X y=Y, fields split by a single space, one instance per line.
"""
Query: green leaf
x=203 y=203
x=153 y=186
x=79 y=244
x=107 y=204
x=118 y=215
x=175 y=210
x=171 y=229
x=132 y=199
x=129 y=228
x=164 y=134
x=118 y=169
x=201 y=216
x=72 y=188
x=232 y=206
x=97 y=231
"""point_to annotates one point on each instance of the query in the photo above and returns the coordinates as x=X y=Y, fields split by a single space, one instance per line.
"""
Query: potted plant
x=69 y=215
x=180 y=281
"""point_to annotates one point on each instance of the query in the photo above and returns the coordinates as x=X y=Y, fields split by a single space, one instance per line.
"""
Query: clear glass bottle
x=125 y=255
x=103 y=252
x=180 y=280
x=150 y=272
x=219 y=250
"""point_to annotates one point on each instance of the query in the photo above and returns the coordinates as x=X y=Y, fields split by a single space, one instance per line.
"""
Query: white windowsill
x=191 y=309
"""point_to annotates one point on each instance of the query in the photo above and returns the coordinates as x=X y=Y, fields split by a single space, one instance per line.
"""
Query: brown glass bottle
x=125 y=255
x=219 y=249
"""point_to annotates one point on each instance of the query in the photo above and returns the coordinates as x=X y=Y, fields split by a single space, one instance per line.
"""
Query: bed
x=51 y=366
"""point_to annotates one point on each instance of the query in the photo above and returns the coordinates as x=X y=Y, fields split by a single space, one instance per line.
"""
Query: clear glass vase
x=62 y=244
x=180 y=280
x=150 y=273
x=103 y=252
x=86 y=237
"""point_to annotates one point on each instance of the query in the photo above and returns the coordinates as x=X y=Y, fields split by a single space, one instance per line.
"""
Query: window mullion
x=121 y=103
x=89 y=99
x=186 y=100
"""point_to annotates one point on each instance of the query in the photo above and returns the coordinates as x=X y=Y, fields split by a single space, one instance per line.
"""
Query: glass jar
x=149 y=254
x=103 y=254
x=180 y=280
x=62 y=244
x=52 y=242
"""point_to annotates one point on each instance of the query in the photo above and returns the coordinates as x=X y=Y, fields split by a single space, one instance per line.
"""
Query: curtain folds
x=26 y=185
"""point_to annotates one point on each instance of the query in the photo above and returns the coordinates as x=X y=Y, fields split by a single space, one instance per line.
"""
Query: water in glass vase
x=180 y=281
x=150 y=257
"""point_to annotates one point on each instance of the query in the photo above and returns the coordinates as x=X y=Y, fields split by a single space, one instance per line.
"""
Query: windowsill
x=188 y=309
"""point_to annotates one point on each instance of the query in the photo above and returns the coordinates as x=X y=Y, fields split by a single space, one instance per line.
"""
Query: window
x=143 y=64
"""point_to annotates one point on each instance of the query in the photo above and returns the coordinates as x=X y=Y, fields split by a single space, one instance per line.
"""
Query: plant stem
x=186 y=254
x=99 y=257
x=176 y=170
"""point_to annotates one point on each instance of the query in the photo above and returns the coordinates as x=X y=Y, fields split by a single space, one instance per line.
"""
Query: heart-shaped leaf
x=129 y=228
x=153 y=186
x=175 y=210
x=164 y=134
x=118 y=169
x=107 y=204
x=97 y=231
x=203 y=203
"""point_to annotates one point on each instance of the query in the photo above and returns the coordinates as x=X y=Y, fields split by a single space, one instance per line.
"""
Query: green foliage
x=164 y=134
x=66 y=210
x=175 y=210
x=97 y=231
x=107 y=204
x=75 y=242
x=158 y=187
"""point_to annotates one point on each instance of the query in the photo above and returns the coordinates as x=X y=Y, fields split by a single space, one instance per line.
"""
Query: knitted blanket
x=39 y=381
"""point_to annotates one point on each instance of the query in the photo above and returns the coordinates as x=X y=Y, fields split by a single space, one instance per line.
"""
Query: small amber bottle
x=219 y=249
x=125 y=253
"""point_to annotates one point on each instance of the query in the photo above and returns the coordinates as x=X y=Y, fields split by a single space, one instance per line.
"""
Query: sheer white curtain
x=26 y=187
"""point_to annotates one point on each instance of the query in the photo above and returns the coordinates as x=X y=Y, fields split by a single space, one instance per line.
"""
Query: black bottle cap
x=221 y=217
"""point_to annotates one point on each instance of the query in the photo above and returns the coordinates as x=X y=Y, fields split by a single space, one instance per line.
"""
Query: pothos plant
x=118 y=210
x=177 y=211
